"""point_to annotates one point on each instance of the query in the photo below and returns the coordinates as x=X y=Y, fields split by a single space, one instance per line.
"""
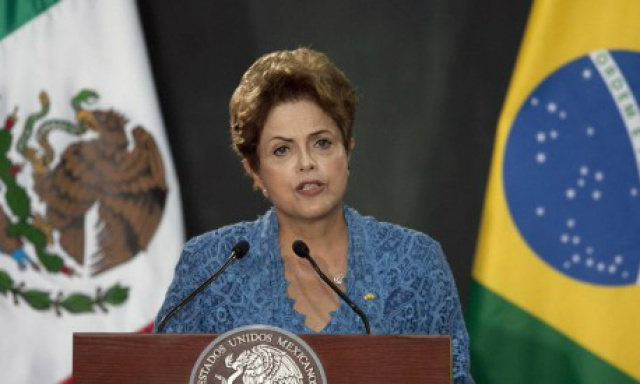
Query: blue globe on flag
x=572 y=169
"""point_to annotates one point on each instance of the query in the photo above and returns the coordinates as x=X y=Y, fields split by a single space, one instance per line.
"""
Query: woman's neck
x=327 y=237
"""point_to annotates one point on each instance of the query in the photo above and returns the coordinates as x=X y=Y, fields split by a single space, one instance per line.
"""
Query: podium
x=349 y=359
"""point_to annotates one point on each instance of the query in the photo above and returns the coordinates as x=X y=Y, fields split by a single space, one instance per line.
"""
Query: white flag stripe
x=75 y=45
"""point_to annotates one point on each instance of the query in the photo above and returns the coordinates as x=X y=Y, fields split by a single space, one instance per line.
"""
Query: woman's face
x=303 y=162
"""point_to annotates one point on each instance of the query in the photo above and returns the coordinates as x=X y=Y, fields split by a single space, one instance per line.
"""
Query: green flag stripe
x=508 y=345
x=16 y=13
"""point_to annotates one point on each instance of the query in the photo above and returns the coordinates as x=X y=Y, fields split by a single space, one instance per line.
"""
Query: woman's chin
x=313 y=212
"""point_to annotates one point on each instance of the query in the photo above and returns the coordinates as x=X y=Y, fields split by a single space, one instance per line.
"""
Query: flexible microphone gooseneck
x=301 y=249
x=238 y=252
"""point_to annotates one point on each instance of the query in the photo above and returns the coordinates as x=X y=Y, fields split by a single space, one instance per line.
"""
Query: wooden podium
x=349 y=359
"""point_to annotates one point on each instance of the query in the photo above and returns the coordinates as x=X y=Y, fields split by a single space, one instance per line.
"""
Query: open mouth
x=310 y=187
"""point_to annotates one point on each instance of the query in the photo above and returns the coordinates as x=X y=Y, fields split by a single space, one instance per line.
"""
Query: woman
x=291 y=123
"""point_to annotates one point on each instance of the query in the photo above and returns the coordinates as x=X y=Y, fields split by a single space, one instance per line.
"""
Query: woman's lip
x=311 y=188
x=308 y=182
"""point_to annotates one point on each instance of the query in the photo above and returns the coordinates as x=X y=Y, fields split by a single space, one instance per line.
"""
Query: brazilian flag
x=556 y=295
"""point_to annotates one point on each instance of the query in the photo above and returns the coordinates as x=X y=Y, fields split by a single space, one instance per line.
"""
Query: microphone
x=238 y=252
x=301 y=249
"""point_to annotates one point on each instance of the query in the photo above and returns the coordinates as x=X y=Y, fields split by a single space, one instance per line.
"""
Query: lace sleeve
x=445 y=313
x=187 y=274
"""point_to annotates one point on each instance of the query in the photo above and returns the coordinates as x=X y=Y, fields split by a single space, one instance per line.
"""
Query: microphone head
x=300 y=248
x=241 y=249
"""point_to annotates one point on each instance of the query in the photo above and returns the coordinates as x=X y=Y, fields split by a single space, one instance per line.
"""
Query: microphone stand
x=239 y=250
x=301 y=249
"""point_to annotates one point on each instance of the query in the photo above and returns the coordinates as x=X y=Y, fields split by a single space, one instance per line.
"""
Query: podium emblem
x=258 y=354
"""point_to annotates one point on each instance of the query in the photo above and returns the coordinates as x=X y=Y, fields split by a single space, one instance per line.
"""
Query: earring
x=265 y=194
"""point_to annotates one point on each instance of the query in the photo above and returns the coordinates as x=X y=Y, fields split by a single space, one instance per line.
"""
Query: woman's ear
x=257 y=181
x=352 y=145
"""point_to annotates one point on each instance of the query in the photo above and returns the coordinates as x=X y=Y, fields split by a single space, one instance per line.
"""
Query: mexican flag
x=556 y=296
x=90 y=219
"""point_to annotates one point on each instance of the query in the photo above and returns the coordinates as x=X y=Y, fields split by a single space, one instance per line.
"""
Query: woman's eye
x=280 y=151
x=323 y=143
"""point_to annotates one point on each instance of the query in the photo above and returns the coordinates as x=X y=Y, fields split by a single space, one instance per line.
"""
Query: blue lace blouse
x=398 y=277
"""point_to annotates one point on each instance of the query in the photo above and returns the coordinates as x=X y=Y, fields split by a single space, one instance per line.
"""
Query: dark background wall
x=431 y=77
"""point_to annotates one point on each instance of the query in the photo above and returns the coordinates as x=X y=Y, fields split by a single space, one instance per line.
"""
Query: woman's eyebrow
x=319 y=132
x=289 y=140
x=280 y=138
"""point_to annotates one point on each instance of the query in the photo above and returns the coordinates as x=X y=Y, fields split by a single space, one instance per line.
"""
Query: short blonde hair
x=283 y=76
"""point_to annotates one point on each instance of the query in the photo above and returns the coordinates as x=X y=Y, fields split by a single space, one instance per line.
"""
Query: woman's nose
x=306 y=161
